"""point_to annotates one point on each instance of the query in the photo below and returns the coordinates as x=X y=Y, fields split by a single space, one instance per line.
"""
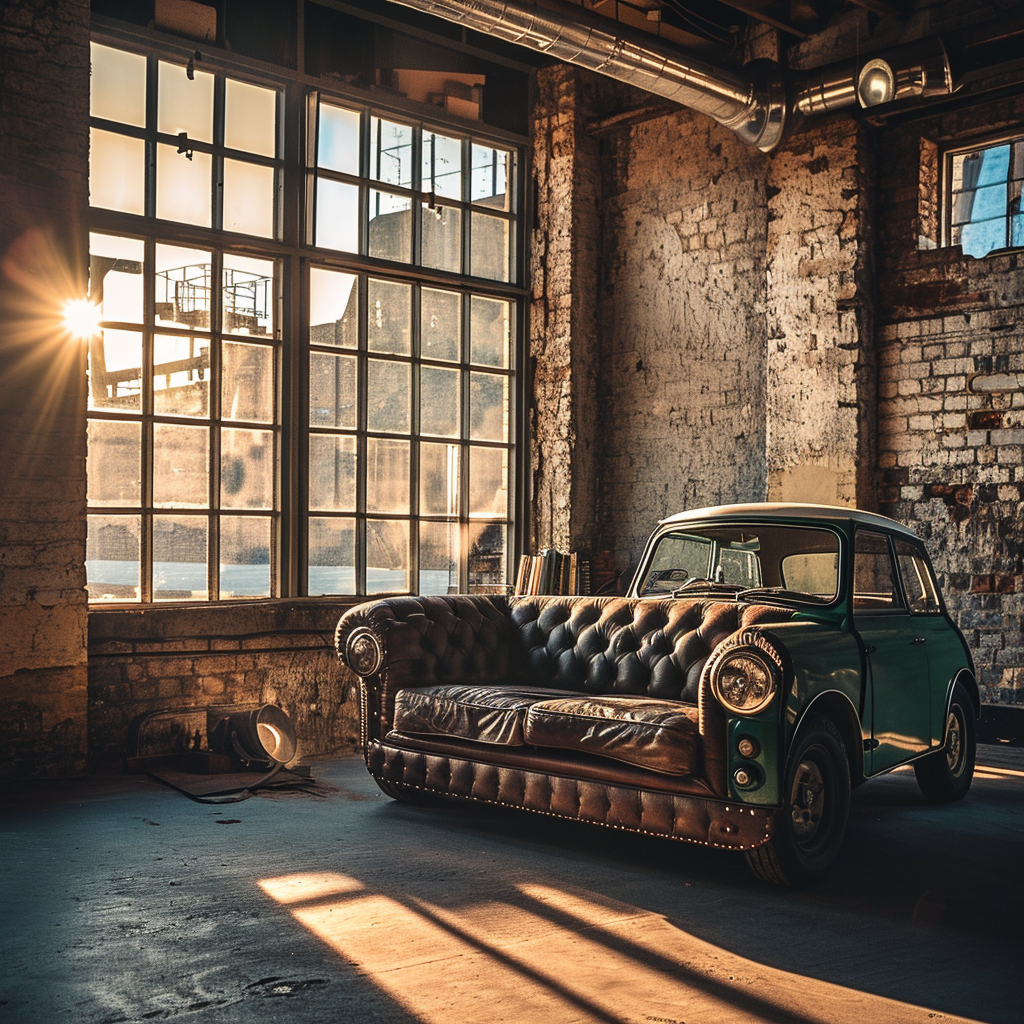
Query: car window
x=816 y=573
x=918 y=582
x=678 y=558
x=874 y=582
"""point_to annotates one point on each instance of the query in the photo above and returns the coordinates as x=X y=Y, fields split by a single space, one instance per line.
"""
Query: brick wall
x=276 y=652
x=683 y=288
x=950 y=455
x=44 y=90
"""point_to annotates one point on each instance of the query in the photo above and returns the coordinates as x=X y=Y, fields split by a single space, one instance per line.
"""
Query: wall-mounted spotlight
x=876 y=83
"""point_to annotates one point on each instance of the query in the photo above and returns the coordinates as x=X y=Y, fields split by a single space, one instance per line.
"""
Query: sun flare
x=81 y=318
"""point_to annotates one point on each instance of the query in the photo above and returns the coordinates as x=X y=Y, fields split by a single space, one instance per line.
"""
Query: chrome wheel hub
x=807 y=800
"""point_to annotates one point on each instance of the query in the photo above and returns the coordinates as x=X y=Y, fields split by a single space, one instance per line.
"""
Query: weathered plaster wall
x=44 y=100
x=950 y=456
x=682 y=390
x=564 y=323
x=820 y=310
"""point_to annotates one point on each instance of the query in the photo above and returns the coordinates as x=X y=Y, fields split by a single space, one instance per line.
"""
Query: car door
x=941 y=641
x=895 y=655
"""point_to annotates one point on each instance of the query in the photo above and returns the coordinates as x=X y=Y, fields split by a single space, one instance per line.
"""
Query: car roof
x=788 y=510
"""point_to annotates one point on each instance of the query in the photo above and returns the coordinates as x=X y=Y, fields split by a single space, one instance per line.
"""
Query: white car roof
x=790 y=510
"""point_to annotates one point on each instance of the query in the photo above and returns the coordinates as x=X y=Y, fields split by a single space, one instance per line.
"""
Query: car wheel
x=946 y=775
x=808 y=831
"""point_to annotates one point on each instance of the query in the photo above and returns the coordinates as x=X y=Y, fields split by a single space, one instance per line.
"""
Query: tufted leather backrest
x=627 y=645
x=592 y=644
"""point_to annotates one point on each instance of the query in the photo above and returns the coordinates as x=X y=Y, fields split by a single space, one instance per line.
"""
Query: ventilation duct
x=914 y=72
x=751 y=103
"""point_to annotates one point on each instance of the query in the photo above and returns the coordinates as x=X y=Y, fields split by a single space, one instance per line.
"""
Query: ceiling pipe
x=918 y=71
x=751 y=103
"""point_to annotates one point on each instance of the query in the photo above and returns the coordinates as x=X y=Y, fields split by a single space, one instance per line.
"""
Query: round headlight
x=744 y=683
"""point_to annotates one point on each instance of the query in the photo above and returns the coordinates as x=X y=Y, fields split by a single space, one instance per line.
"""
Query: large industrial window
x=305 y=376
x=983 y=197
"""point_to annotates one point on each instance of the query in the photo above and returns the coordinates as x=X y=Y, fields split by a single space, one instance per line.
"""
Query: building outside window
x=305 y=377
x=983 y=197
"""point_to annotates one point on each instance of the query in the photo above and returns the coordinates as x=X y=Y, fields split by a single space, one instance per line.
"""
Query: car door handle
x=919 y=640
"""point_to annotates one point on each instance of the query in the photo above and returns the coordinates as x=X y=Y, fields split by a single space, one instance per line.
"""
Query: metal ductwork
x=751 y=103
x=913 y=72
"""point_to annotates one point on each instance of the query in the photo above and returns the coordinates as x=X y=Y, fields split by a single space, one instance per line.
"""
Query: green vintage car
x=868 y=674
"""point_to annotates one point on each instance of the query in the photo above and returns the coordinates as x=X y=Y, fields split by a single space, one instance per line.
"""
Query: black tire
x=946 y=775
x=808 y=831
x=407 y=794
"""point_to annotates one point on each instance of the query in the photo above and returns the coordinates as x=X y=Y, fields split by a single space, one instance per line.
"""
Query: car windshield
x=787 y=563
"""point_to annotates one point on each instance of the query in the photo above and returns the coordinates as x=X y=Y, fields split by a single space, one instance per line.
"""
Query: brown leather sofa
x=596 y=709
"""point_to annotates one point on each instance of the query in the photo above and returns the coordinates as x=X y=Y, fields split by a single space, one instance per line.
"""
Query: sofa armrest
x=402 y=642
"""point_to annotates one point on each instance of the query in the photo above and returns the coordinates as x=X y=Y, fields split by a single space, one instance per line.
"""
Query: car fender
x=837 y=706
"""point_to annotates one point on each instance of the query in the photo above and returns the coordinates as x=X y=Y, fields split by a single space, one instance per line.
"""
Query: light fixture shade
x=876 y=83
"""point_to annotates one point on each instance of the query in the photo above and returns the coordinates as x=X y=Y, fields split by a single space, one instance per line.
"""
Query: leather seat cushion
x=485 y=714
x=661 y=735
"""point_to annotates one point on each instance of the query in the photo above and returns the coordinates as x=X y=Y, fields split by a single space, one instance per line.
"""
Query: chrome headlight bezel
x=761 y=682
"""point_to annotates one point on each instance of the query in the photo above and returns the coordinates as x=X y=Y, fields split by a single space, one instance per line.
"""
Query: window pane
x=249 y=198
x=387 y=557
x=873 y=582
x=389 y=327
x=442 y=165
x=442 y=237
x=387 y=475
x=980 y=204
x=247 y=469
x=391 y=152
x=487 y=557
x=250 y=118
x=390 y=232
x=115 y=371
x=387 y=403
x=181 y=376
x=115 y=463
x=490 y=252
x=117 y=172
x=247 y=382
x=488 y=489
x=180 y=545
x=337 y=215
x=332 y=556
x=183 y=186
x=184 y=104
x=490 y=331
x=488 y=407
x=333 y=308
x=181 y=466
x=112 y=558
x=338 y=140
x=248 y=297
x=115 y=277
x=332 y=391
x=439 y=479
x=981 y=238
x=440 y=324
x=118 y=85
x=332 y=473
x=492 y=172
x=440 y=391
x=184 y=287
x=244 y=556
x=439 y=558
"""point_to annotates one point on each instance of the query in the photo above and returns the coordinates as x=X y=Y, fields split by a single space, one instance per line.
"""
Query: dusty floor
x=125 y=901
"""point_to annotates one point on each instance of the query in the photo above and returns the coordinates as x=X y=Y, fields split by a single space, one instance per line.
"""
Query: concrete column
x=44 y=139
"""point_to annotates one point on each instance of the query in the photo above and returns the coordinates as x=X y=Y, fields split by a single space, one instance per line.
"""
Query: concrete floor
x=125 y=901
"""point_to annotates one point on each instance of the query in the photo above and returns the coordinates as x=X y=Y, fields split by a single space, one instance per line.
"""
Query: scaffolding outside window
x=400 y=440
x=983 y=197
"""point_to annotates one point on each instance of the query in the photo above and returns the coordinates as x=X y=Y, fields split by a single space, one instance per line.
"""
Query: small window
x=983 y=191
x=918 y=582
x=874 y=583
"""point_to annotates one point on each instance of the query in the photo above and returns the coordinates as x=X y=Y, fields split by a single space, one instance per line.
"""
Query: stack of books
x=552 y=572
